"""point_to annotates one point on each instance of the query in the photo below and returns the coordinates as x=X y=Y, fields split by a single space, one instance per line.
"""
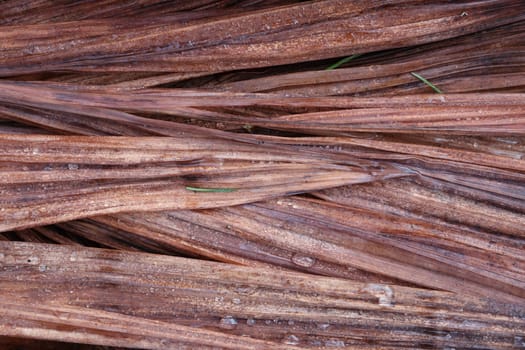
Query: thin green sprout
x=343 y=61
x=427 y=82
x=200 y=189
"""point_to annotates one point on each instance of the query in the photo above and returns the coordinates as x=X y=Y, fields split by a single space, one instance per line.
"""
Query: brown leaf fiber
x=280 y=35
x=232 y=300
x=248 y=174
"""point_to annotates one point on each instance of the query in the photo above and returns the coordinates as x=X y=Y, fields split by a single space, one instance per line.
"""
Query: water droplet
x=72 y=166
x=236 y=301
x=250 y=322
x=73 y=257
x=334 y=343
x=33 y=260
x=2 y=255
x=228 y=322
x=303 y=260
x=383 y=292
x=519 y=341
x=291 y=322
x=323 y=326
x=291 y=340
x=245 y=290
x=42 y=268
x=472 y=324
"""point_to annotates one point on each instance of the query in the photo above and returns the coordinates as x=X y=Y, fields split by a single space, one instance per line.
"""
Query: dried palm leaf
x=280 y=35
x=154 y=302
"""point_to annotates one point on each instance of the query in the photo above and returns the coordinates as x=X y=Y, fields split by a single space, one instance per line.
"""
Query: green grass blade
x=435 y=88
x=343 y=61
x=200 y=189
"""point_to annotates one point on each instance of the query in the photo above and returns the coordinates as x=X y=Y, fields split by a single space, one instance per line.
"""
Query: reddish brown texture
x=281 y=35
x=194 y=300
x=494 y=61
x=365 y=211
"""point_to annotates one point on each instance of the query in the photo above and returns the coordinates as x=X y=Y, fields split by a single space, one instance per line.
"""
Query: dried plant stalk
x=212 y=304
x=102 y=175
x=384 y=218
x=281 y=35
x=292 y=233
x=482 y=61
x=47 y=11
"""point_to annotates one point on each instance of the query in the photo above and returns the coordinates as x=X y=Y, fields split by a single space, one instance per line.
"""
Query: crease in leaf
x=202 y=189
x=434 y=87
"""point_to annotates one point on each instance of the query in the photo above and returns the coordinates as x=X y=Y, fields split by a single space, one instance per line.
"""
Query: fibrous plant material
x=262 y=174
x=354 y=242
x=494 y=62
x=281 y=35
x=169 y=301
x=103 y=175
